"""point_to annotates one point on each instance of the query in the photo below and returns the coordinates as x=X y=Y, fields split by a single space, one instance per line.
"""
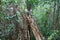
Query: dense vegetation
x=46 y=14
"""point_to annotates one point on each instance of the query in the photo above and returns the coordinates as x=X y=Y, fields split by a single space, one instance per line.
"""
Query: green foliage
x=53 y=34
x=32 y=3
x=43 y=14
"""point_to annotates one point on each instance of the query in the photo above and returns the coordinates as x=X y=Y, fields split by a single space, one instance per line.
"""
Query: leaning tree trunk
x=31 y=23
x=33 y=27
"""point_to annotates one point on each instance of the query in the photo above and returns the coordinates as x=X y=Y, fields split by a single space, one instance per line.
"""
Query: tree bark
x=33 y=27
x=56 y=15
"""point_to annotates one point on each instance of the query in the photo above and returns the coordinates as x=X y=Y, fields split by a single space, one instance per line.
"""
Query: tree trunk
x=56 y=15
x=33 y=27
